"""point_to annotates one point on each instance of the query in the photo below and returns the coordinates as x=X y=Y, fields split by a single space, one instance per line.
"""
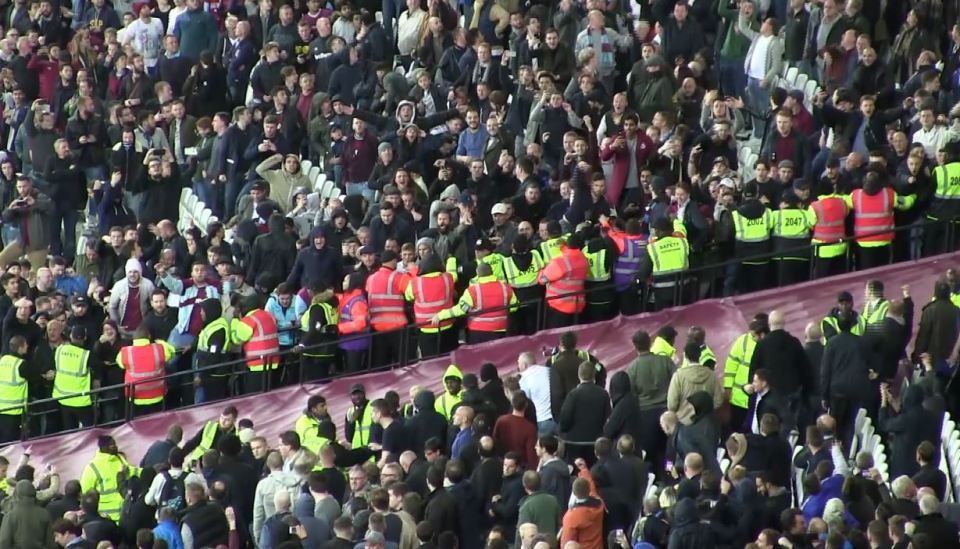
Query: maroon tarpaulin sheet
x=723 y=319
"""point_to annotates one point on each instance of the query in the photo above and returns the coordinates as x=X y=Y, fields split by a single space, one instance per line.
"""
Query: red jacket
x=583 y=523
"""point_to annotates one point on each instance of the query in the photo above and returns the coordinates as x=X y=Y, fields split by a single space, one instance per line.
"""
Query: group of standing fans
x=498 y=167
x=667 y=453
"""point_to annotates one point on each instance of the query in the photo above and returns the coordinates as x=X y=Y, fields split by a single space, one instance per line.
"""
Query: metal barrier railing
x=699 y=282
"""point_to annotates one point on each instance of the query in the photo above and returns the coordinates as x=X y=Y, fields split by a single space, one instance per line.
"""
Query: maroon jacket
x=359 y=156
x=621 y=164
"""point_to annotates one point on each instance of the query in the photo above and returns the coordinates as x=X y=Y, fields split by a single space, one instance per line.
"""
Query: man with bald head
x=785 y=361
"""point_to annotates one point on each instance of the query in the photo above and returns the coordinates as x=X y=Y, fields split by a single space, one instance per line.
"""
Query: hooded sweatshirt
x=687 y=381
x=316 y=265
x=701 y=435
x=263 y=507
x=688 y=532
x=625 y=417
x=426 y=422
x=448 y=401
x=26 y=525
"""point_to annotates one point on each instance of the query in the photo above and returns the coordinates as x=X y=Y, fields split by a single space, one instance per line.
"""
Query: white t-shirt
x=535 y=383
x=758 y=63
x=147 y=39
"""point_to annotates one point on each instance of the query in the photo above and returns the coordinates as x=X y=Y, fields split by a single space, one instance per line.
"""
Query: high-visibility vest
x=361 y=427
x=874 y=313
x=873 y=215
x=495 y=261
x=490 y=301
x=550 y=249
x=525 y=278
x=71 y=383
x=203 y=340
x=830 y=321
x=13 y=387
x=706 y=356
x=662 y=348
x=752 y=230
x=628 y=262
x=445 y=404
x=206 y=439
x=568 y=272
x=143 y=372
x=597 y=270
x=668 y=255
x=386 y=300
x=790 y=223
x=432 y=293
x=308 y=427
x=103 y=475
x=330 y=318
x=261 y=350
x=830 y=226
x=736 y=370
x=948 y=182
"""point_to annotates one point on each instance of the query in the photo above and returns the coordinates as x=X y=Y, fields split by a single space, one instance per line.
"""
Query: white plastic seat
x=651 y=487
x=792 y=73
x=192 y=200
x=185 y=194
x=313 y=173
x=801 y=82
x=305 y=165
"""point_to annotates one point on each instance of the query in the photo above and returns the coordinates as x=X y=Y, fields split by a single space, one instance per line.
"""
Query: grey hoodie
x=26 y=525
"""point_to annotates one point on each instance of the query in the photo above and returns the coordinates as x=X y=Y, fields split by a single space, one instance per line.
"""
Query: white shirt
x=932 y=139
x=408 y=30
x=146 y=38
x=535 y=382
x=172 y=17
x=755 y=424
x=156 y=487
x=757 y=65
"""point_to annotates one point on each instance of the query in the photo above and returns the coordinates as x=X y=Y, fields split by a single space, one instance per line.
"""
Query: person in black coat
x=843 y=376
x=506 y=504
x=906 y=426
x=616 y=483
x=493 y=389
x=939 y=531
x=929 y=475
x=441 y=511
x=625 y=417
x=688 y=532
x=426 y=423
x=782 y=356
x=583 y=414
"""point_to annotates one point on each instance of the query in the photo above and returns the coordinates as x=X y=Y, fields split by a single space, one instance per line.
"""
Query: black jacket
x=207 y=523
x=273 y=253
x=931 y=476
x=940 y=532
x=625 y=417
x=507 y=508
x=906 y=430
x=843 y=371
x=584 y=412
x=785 y=361
x=442 y=512
x=426 y=423
x=702 y=435
x=688 y=532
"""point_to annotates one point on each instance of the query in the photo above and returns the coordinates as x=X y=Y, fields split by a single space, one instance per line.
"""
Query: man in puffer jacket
x=263 y=504
x=26 y=525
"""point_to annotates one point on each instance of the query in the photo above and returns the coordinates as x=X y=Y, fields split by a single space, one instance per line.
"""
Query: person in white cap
x=130 y=298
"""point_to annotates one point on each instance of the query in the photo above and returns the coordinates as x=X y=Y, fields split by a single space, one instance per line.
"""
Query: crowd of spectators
x=487 y=156
x=553 y=454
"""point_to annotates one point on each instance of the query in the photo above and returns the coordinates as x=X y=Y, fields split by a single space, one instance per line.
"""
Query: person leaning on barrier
x=213 y=347
x=14 y=371
x=77 y=373
x=208 y=437
x=143 y=363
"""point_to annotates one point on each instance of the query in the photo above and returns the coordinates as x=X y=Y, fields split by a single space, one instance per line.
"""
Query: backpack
x=173 y=492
